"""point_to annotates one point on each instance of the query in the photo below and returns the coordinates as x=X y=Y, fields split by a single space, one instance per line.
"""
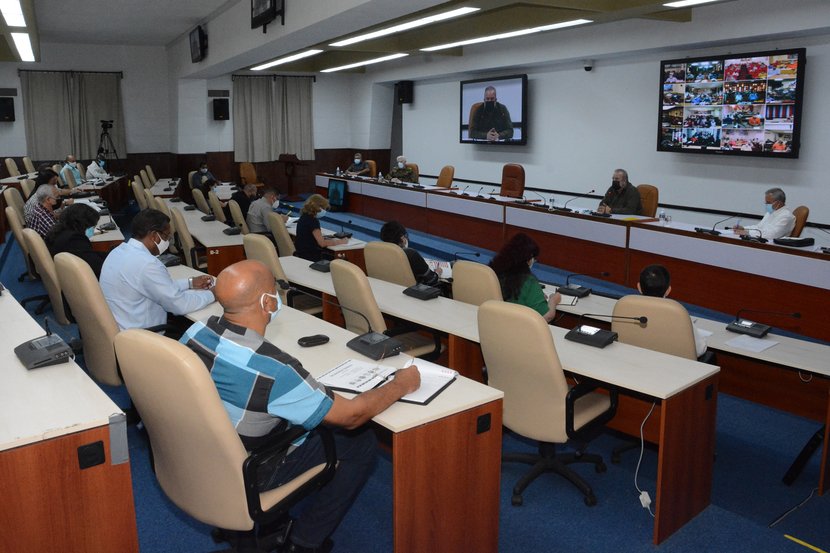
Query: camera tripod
x=105 y=145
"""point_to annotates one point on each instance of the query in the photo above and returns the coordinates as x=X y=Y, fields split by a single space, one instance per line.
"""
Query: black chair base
x=619 y=450
x=801 y=461
x=41 y=307
x=548 y=461
x=263 y=538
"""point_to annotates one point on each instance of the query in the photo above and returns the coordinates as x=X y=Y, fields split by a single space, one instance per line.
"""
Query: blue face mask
x=89 y=232
x=101 y=163
x=279 y=304
x=768 y=208
x=321 y=214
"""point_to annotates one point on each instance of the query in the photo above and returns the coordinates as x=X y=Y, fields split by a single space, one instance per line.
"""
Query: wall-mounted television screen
x=736 y=104
x=494 y=111
x=198 y=44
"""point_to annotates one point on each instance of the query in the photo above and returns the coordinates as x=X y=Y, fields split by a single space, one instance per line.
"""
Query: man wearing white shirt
x=96 y=168
x=137 y=286
x=777 y=222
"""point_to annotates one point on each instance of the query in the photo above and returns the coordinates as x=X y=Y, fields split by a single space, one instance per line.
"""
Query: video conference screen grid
x=746 y=104
x=506 y=116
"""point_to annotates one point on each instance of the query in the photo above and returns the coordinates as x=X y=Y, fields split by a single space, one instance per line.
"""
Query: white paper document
x=446 y=268
x=755 y=345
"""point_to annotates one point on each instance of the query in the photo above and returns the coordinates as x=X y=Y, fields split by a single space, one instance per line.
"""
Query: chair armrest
x=581 y=390
x=279 y=445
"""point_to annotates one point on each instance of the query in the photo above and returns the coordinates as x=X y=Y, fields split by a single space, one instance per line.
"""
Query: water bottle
x=380 y=176
x=662 y=217
x=337 y=172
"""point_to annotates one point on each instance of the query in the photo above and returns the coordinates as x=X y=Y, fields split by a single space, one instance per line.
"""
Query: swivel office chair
x=193 y=256
x=216 y=207
x=474 y=283
x=649 y=198
x=11 y=167
x=512 y=180
x=138 y=193
x=386 y=261
x=236 y=216
x=45 y=267
x=801 y=214
x=445 y=176
x=27 y=163
x=285 y=245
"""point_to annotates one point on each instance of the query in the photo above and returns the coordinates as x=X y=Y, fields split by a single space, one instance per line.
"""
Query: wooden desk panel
x=410 y=216
x=49 y=503
x=220 y=257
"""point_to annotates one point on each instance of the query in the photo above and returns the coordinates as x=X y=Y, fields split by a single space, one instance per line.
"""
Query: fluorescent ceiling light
x=24 y=46
x=508 y=35
x=12 y=13
x=359 y=64
x=287 y=59
x=687 y=3
x=406 y=26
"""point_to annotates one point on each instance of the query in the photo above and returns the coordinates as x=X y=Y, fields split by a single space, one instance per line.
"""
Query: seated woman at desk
x=310 y=243
x=72 y=233
x=395 y=233
x=518 y=285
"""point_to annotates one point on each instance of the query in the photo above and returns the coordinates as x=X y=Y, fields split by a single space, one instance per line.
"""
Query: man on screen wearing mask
x=622 y=198
x=201 y=175
x=778 y=221
x=491 y=121
x=137 y=286
x=257 y=218
x=402 y=173
x=96 y=168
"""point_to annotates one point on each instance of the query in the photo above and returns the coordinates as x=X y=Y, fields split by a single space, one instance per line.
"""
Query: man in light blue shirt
x=71 y=166
x=137 y=286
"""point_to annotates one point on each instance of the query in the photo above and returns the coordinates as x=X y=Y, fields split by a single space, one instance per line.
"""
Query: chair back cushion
x=373 y=167
x=522 y=362
x=27 y=163
x=185 y=238
x=388 y=262
x=649 y=197
x=354 y=293
x=801 y=213
x=216 y=207
x=145 y=179
x=68 y=177
x=149 y=198
x=512 y=180
x=247 y=173
x=198 y=455
x=259 y=247
x=416 y=174
x=285 y=245
x=11 y=167
x=138 y=192
x=474 y=283
x=15 y=200
x=45 y=266
x=151 y=174
x=236 y=215
x=445 y=176
x=28 y=187
x=668 y=330
x=96 y=324
x=200 y=201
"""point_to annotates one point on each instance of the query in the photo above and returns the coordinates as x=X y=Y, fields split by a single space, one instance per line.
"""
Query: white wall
x=143 y=88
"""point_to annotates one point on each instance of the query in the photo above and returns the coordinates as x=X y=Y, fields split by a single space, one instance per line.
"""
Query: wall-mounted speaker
x=403 y=91
x=7 y=109
x=221 y=109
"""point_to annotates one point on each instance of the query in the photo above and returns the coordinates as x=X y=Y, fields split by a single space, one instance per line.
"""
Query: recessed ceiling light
x=12 y=13
x=24 y=46
x=287 y=59
x=362 y=63
x=406 y=26
x=511 y=34
x=686 y=3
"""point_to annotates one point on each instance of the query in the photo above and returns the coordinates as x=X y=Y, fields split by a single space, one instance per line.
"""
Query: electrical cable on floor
x=647 y=504
x=788 y=512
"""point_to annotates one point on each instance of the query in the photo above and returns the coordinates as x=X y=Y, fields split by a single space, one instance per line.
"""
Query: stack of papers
x=446 y=268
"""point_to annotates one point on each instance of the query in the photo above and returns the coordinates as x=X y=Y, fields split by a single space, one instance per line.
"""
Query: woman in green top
x=518 y=285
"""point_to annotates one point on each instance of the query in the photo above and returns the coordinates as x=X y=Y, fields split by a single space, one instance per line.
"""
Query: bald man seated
x=261 y=386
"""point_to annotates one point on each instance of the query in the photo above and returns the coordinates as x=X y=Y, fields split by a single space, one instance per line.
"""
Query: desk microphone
x=479 y=194
x=374 y=345
x=757 y=330
x=759 y=239
x=712 y=231
x=543 y=204
x=575 y=290
x=597 y=337
x=565 y=207
x=457 y=254
x=343 y=233
x=464 y=191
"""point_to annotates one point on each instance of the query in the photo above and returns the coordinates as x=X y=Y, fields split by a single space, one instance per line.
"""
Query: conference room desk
x=113 y=190
x=47 y=417
x=165 y=188
x=685 y=391
x=793 y=375
x=222 y=249
x=16 y=180
x=446 y=456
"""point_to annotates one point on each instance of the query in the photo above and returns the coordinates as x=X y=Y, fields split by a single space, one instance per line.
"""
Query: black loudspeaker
x=221 y=109
x=7 y=109
x=404 y=92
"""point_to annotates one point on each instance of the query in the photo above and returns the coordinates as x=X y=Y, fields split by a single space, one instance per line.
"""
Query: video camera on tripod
x=106 y=125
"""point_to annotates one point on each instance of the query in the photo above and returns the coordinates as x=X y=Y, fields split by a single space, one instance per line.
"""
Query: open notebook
x=358 y=376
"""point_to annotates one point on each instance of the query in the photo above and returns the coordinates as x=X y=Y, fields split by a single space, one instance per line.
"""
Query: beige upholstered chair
x=649 y=197
x=373 y=167
x=801 y=213
x=445 y=176
x=216 y=207
x=45 y=266
x=17 y=225
x=161 y=205
x=415 y=171
x=145 y=180
x=247 y=174
x=386 y=261
x=15 y=200
x=353 y=292
x=190 y=178
x=150 y=174
x=57 y=168
x=96 y=324
x=68 y=177
x=28 y=187
x=186 y=242
x=149 y=198
x=199 y=460
x=259 y=247
x=27 y=163
x=474 y=283
x=512 y=180
x=668 y=330
x=284 y=243
x=82 y=170
x=236 y=216
x=11 y=167
x=537 y=401
x=138 y=192
x=200 y=201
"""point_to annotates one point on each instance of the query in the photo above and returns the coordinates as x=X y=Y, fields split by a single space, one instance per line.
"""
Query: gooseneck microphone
x=641 y=319
x=464 y=191
x=598 y=337
x=712 y=231
x=456 y=255
x=579 y=291
x=751 y=328
x=565 y=207
x=375 y=345
x=343 y=233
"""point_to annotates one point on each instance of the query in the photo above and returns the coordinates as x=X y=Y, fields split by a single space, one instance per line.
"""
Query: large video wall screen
x=746 y=104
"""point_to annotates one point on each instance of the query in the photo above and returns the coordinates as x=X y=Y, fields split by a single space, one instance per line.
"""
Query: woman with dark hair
x=310 y=242
x=518 y=285
x=395 y=233
x=72 y=232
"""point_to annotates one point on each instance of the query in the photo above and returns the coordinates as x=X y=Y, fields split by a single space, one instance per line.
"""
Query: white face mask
x=162 y=245
x=273 y=314
x=322 y=214
x=357 y=161
x=405 y=242
x=401 y=165
x=203 y=170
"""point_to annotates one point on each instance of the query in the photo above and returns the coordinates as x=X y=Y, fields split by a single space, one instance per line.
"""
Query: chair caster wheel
x=600 y=467
x=517 y=500
x=590 y=500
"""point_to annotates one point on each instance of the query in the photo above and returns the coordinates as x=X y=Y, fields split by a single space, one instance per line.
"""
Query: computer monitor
x=337 y=194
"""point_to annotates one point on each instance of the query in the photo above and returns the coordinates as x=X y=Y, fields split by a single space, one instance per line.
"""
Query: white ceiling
x=137 y=22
